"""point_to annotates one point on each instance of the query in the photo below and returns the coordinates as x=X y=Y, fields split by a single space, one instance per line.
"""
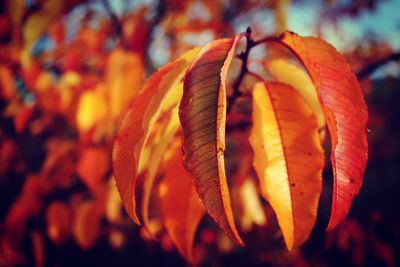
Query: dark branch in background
x=114 y=19
x=160 y=12
x=371 y=68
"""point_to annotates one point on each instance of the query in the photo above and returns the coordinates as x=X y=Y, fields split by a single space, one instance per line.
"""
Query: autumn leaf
x=288 y=158
x=92 y=109
x=92 y=165
x=287 y=72
x=180 y=205
x=345 y=112
x=138 y=122
x=202 y=114
x=124 y=78
x=156 y=149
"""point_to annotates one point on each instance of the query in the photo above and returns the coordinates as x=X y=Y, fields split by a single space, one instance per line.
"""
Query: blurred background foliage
x=68 y=70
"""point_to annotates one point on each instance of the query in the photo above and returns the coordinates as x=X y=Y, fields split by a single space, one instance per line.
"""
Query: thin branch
x=243 y=57
x=371 y=68
x=114 y=19
x=160 y=12
x=266 y=40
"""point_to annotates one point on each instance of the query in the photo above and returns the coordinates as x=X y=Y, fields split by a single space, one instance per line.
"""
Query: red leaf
x=345 y=112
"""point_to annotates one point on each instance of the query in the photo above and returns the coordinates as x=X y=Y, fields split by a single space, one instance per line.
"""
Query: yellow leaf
x=288 y=158
x=92 y=109
x=286 y=72
x=253 y=212
x=124 y=77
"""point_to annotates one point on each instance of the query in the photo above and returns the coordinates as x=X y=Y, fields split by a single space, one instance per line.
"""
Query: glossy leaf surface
x=202 y=114
x=345 y=112
x=288 y=158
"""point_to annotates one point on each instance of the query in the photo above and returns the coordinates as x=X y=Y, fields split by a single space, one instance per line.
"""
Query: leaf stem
x=243 y=56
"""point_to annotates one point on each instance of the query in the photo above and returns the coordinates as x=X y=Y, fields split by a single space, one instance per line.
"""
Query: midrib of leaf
x=284 y=156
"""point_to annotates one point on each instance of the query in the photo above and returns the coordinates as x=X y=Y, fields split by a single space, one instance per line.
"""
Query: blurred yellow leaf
x=253 y=212
x=92 y=109
x=124 y=77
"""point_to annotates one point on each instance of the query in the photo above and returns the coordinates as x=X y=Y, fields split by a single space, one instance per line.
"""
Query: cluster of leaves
x=68 y=71
x=288 y=123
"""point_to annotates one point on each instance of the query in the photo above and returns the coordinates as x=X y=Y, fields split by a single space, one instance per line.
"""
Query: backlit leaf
x=157 y=149
x=291 y=74
x=288 y=158
x=202 y=114
x=345 y=112
x=157 y=94
x=180 y=205
x=124 y=77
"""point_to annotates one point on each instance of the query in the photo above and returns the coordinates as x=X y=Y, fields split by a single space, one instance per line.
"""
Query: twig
x=160 y=12
x=244 y=69
x=114 y=19
x=371 y=68
x=243 y=57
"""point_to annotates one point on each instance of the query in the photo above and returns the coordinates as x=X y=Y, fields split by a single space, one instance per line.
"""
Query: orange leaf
x=181 y=208
x=124 y=76
x=86 y=224
x=92 y=166
x=156 y=148
x=345 y=112
x=203 y=115
x=287 y=72
x=138 y=122
x=288 y=158
x=92 y=109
